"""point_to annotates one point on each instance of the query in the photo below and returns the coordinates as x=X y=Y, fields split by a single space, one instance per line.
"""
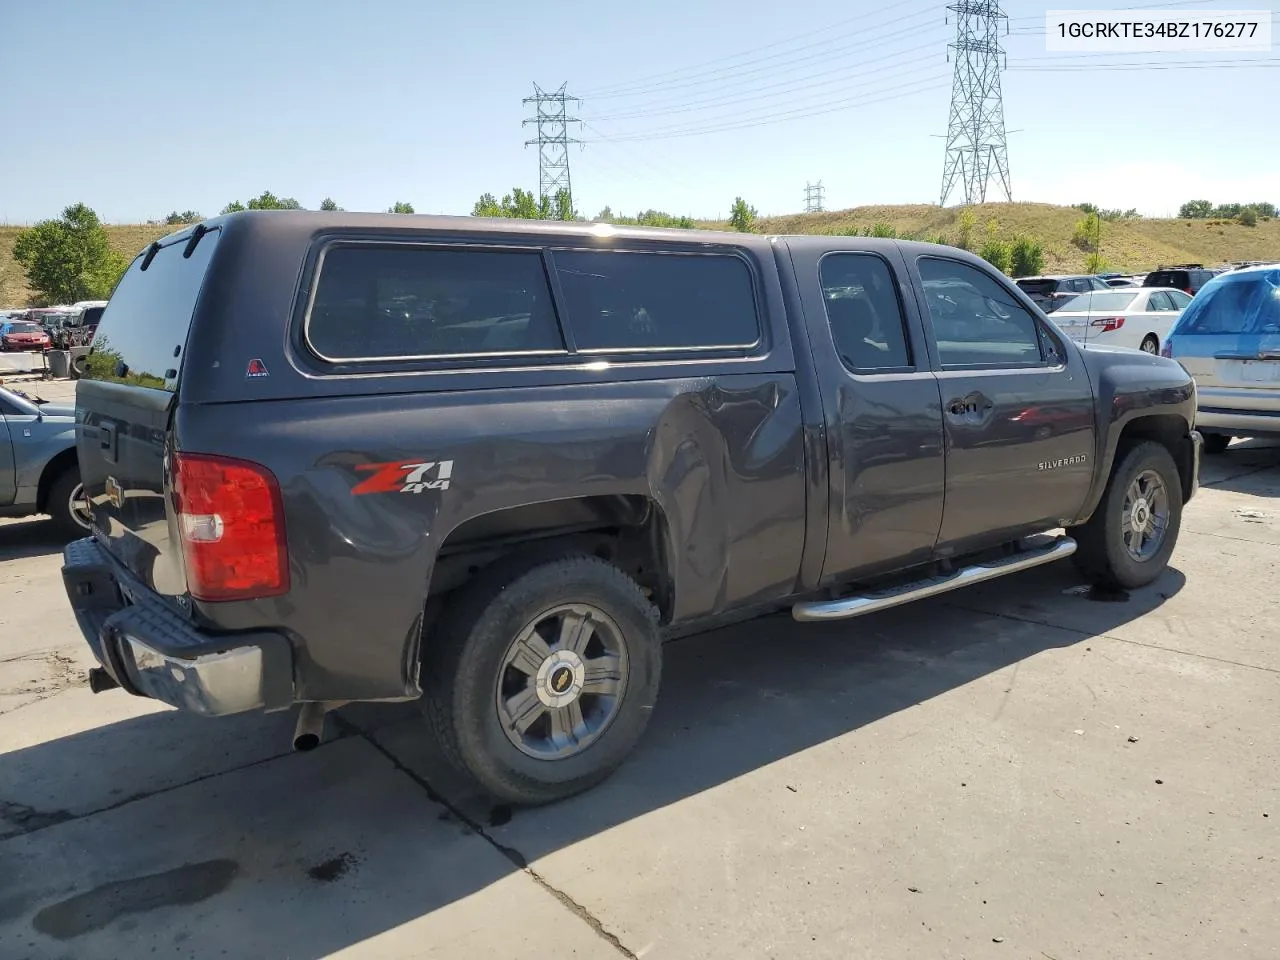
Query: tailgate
x=124 y=403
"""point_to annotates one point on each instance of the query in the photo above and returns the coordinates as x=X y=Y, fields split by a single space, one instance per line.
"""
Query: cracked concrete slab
x=333 y=853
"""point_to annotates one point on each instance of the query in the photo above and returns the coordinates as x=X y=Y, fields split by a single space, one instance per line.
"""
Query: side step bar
x=856 y=606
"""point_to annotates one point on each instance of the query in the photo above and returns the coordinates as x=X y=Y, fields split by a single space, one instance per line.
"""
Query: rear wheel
x=1151 y=344
x=1130 y=537
x=68 y=505
x=1215 y=443
x=540 y=679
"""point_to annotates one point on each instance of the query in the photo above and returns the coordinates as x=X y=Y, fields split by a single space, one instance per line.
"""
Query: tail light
x=231 y=521
x=1107 y=324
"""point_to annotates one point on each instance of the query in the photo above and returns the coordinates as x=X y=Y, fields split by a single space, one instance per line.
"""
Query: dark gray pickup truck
x=492 y=465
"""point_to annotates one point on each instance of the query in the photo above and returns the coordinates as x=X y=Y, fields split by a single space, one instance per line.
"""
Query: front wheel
x=1130 y=537
x=540 y=680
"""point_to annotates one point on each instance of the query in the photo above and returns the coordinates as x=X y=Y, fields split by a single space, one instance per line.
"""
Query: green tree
x=70 y=258
x=742 y=216
x=487 y=206
x=1248 y=217
x=967 y=221
x=400 y=206
x=269 y=201
x=187 y=216
x=563 y=206
x=1088 y=234
x=1086 y=208
x=235 y=206
x=605 y=215
x=1026 y=257
x=1195 y=210
x=1095 y=263
x=328 y=203
x=521 y=205
x=996 y=251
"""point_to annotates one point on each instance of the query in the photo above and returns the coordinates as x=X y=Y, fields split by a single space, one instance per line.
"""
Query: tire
x=468 y=677
x=1215 y=443
x=78 y=366
x=59 y=505
x=1101 y=552
x=1151 y=344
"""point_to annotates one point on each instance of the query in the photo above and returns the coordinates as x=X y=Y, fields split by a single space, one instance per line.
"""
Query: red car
x=21 y=335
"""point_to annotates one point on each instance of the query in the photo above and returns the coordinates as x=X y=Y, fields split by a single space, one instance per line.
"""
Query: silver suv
x=1228 y=339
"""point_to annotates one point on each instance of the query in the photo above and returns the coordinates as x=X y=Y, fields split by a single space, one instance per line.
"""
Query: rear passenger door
x=881 y=406
x=1017 y=408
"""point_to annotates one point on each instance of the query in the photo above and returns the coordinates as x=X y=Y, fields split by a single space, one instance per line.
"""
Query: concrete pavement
x=1019 y=770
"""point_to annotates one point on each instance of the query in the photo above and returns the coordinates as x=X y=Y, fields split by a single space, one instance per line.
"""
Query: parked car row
x=61 y=327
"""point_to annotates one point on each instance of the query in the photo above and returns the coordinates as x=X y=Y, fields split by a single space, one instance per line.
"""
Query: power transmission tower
x=976 y=146
x=813 y=197
x=552 y=120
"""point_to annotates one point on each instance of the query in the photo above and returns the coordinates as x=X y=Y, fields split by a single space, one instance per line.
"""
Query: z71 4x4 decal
x=401 y=477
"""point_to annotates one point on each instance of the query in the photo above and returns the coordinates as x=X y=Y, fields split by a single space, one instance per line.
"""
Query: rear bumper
x=152 y=651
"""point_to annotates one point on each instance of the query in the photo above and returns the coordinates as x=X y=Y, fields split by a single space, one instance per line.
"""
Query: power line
x=781 y=89
x=976 y=143
x=819 y=110
x=552 y=120
x=682 y=74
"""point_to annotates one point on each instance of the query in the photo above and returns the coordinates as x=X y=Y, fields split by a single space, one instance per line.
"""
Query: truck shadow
x=307 y=854
x=33 y=537
x=1248 y=466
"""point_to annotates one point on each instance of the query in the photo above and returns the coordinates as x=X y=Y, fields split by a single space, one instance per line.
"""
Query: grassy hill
x=1130 y=245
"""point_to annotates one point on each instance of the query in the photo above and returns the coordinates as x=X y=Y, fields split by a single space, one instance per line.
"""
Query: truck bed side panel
x=721 y=457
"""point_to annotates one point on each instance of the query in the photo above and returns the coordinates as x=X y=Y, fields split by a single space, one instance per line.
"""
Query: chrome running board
x=856 y=606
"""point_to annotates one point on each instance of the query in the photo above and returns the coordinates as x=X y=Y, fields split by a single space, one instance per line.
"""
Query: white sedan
x=1139 y=318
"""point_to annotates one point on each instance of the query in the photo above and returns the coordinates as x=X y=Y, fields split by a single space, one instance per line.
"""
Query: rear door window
x=865 y=312
x=630 y=301
x=1041 y=288
x=143 y=329
x=1158 y=301
x=398 y=301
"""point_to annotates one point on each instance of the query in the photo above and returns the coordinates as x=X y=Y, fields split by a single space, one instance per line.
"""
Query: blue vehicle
x=39 y=470
x=1228 y=339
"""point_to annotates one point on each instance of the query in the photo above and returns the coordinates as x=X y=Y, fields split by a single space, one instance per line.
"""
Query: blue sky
x=138 y=107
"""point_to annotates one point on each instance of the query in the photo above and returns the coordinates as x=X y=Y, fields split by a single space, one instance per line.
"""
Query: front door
x=880 y=403
x=1017 y=408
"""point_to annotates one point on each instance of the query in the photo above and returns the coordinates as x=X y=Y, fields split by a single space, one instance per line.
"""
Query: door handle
x=969 y=406
x=958 y=408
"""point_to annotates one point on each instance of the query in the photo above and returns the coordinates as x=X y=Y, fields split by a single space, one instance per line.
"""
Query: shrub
x=1026 y=257
x=884 y=230
x=1248 y=217
x=964 y=240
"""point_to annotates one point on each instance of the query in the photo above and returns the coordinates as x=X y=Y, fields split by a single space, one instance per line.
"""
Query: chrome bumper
x=150 y=650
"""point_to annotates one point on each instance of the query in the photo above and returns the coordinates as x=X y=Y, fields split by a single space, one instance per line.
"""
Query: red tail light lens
x=1107 y=324
x=231 y=521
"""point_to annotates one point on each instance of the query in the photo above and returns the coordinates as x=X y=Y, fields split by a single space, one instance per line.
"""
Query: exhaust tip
x=306 y=741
